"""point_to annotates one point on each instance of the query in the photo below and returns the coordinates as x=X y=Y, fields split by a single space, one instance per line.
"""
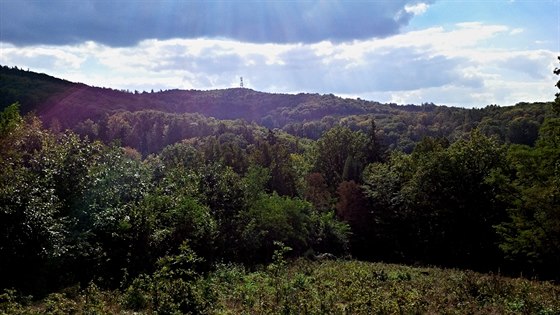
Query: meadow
x=310 y=287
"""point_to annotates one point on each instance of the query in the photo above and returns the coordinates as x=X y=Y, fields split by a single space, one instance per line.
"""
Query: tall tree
x=436 y=204
x=557 y=100
x=317 y=192
x=531 y=236
x=374 y=149
x=352 y=208
x=334 y=149
x=10 y=118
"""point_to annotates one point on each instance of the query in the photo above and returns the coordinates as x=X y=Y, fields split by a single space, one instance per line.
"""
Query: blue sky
x=450 y=52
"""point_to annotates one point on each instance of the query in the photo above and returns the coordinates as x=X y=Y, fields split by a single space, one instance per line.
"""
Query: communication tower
x=241 y=82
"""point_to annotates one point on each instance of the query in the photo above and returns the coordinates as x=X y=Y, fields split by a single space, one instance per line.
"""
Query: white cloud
x=516 y=31
x=43 y=56
x=416 y=9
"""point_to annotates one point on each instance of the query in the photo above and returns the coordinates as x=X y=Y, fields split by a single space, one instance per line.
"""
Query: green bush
x=175 y=288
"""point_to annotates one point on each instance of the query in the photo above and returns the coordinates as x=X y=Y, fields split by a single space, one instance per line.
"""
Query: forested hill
x=93 y=110
x=73 y=102
x=32 y=90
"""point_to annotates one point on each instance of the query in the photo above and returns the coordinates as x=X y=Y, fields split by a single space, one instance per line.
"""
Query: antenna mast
x=241 y=82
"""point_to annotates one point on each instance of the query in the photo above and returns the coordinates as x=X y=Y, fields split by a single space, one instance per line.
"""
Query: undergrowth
x=301 y=287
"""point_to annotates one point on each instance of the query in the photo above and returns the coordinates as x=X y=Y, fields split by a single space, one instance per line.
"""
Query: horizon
x=154 y=91
x=452 y=53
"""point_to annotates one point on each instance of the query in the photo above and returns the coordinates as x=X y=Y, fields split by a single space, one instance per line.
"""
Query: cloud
x=126 y=23
x=440 y=65
x=516 y=31
x=527 y=65
x=416 y=9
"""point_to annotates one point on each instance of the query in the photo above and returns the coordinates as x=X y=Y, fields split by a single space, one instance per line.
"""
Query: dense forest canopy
x=118 y=188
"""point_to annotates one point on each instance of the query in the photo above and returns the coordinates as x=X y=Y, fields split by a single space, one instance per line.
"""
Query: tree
x=334 y=149
x=115 y=185
x=437 y=204
x=274 y=218
x=557 y=100
x=274 y=153
x=531 y=236
x=391 y=229
x=41 y=184
x=10 y=118
x=316 y=192
x=374 y=150
x=88 y=128
x=255 y=181
x=162 y=221
x=456 y=205
x=222 y=191
x=352 y=208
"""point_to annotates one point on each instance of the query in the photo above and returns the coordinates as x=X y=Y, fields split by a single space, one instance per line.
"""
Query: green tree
x=161 y=222
x=531 y=236
x=41 y=183
x=335 y=148
x=174 y=288
x=274 y=218
x=374 y=148
x=115 y=183
x=391 y=228
x=352 y=208
x=458 y=206
x=274 y=153
x=556 y=105
x=255 y=182
x=10 y=118
x=437 y=204
x=222 y=191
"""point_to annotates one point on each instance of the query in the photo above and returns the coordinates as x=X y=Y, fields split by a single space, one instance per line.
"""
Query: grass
x=353 y=287
x=327 y=287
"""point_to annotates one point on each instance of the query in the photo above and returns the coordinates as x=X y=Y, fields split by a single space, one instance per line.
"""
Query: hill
x=71 y=103
x=303 y=115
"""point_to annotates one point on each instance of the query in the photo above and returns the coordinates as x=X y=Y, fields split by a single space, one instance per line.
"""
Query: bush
x=176 y=287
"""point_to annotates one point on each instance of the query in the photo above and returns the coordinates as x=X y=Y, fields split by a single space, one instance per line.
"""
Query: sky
x=468 y=53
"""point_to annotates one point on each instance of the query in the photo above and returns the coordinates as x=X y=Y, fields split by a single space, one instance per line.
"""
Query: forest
x=152 y=202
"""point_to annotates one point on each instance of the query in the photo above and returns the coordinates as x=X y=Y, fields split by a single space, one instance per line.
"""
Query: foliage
x=557 y=100
x=273 y=218
x=437 y=204
x=333 y=287
x=175 y=288
x=303 y=287
x=10 y=118
x=531 y=237
x=43 y=177
x=150 y=121
x=149 y=203
x=340 y=155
